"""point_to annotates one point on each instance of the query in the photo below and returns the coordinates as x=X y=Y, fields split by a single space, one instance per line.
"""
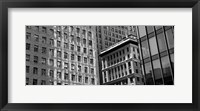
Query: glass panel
x=149 y=29
x=145 y=49
x=158 y=27
x=170 y=38
x=167 y=72
x=153 y=46
x=161 y=42
x=148 y=74
x=157 y=72
x=172 y=60
x=142 y=31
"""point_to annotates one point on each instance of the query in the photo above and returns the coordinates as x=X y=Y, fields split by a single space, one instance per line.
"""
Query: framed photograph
x=99 y=55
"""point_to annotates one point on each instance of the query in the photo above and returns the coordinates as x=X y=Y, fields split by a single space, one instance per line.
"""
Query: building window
x=27 y=57
x=73 y=78
x=79 y=58
x=27 y=69
x=86 y=80
x=85 y=59
x=167 y=71
x=44 y=39
x=91 y=52
x=28 y=35
x=84 y=41
x=51 y=62
x=153 y=46
x=157 y=72
x=34 y=81
x=72 y=47
x=170 y=38
x=86 y=69
x=83 y=32
x=66 y=46
x=72 y=67
x=51 y=73
x=59 y=75
x=59 y=54
x=51 y=31
x=51 y=52
x=28 y=46
x=44 y=29
x=92 y=81
x=79 y=78
x=51 y=42
x=35 y=60
x=78 y=48
x=43 y=60
x=66 y=66
x=27 y=81
x=58 y=44
x=85 y=50
x=35 y=70
x=72 y=56
x=36 y=37
x=43 y=82
x=161 y=42
x=66 y=76
x=92 y=70
x=79 y=68
x=59 y=64
x=36 y=48
x=78 y=39
x=172 y=60
x=91 y=61
x=90 y=42
x=78 y=30
x=65 y=36
x=43 y=71
x=150 y=29
x=58 y=34
x=44 y=50
x=65 y=55
x=72 y=38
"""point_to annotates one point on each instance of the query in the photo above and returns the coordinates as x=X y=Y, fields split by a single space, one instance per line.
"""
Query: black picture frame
x=5 y=4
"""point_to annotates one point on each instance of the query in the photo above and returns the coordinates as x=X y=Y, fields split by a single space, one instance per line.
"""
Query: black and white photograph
x=99 y=55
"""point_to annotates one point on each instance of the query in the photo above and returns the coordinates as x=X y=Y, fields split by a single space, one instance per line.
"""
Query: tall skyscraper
x=61 y=55
x=156 y=44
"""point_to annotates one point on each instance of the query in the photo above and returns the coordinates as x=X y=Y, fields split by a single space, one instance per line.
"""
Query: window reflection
x=170 y=38
x=161 y=42
x=149 y=29
x=153 y=46
x=142 y=31
x=145 y=49
x=167 y=72
x=157 y=72
x=148 y=75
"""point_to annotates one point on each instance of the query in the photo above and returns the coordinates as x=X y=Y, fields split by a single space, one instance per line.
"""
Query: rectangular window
x=92 y=70
x=73 y=78
x=79 y=78
x=142 y=31
x=91 y=52
x=36 y=37
x=51 y=73
x=44 y=50
x=92 y=81
x=149 y=74
x=34 y=81
x=35 y=60
x=27 y=69
x=78 y=39
x=43 y=60
x=59 y=75
x=28 y=35
x=153 y=46
x=66 y=46
x=28 y=57
x=72 y=67
x=79 y=68
x=44 y=29
x=59 y=64
x=91 y=61
x=66 y=76
x=59 y=54
x=85 y=59
x=58 y=44
x=51 y=42
x=35 y=70
x=86 y=70
x=44 y=39
x=85 y=50
x=72 y=47
x=84 y=41
x=161 y=42
x=90 y=42
x=78 y=48
x=28 y=46
x=170 y=38
x=72 y=56
x=167 y=71
x=66 y=66
x=65 y=55
x=27 y=81
x=43 y=82
x=36 y=48
x=86 y=80
x=79 y=58
x=43 y=72
x=51 y=52
x=157 y=72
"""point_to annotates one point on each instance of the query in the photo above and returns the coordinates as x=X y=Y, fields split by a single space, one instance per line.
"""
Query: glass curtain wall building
x=157 y=54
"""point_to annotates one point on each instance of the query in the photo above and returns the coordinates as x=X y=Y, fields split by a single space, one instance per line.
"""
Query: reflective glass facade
x=157 y=54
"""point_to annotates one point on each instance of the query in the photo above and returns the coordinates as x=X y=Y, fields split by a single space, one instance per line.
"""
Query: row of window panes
x=36 y=48
x=155 y=75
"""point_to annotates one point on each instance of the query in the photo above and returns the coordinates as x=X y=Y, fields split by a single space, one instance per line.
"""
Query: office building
x=61 y=55
x=121 y=64
x=156 y=44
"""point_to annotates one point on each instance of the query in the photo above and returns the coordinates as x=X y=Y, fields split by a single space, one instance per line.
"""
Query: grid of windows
x=157 y=50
